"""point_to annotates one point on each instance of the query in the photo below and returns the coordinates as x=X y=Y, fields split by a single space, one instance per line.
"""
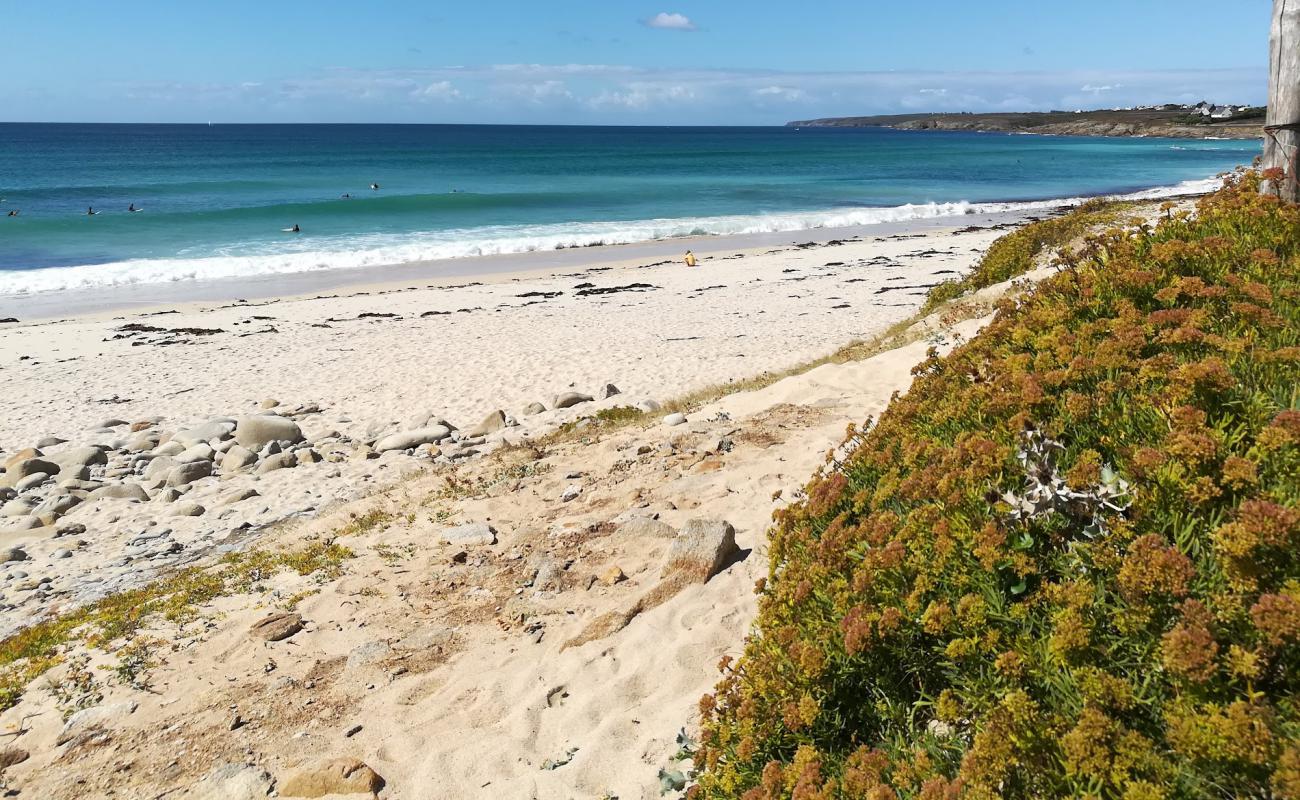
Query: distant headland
x=1200 y=121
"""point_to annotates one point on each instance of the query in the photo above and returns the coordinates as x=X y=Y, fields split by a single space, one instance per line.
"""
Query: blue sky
x=615 y=61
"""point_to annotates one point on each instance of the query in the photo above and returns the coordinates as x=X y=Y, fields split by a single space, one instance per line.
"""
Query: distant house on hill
x=1222 y=112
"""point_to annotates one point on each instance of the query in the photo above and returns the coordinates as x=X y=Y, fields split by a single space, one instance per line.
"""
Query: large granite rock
x=255 y=432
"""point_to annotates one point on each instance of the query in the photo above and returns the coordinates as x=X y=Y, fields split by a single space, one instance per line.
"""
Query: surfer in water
x=345 y=196
x=13 y=213
x=374 y=186
x=90 y=211
x=132 y=209
x=295 y=229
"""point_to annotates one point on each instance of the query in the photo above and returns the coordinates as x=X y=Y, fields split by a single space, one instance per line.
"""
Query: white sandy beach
x=452 y=671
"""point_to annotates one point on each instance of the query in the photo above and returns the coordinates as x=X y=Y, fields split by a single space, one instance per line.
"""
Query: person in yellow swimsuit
x=690 y=259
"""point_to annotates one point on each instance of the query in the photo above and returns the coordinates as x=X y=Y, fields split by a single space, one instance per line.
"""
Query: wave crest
x=376 y=250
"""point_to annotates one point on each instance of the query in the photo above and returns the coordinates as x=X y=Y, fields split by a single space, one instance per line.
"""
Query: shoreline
x=153 y=298
x=141 y=298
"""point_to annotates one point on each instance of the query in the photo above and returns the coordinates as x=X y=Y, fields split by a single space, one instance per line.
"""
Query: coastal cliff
x=1178 y=125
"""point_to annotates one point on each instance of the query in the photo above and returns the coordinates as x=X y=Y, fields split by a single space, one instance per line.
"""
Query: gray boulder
x=255 y=432
x=469 y=535
x=277 y=461
x=120 y=491
x=533 y=408
x=410 y=439
x=186 y=474
x=27 y=466
x=238 y=457
x=77 y=457
x=233 y=782
x=216 y=429
x=607 y=391
x=700 y=550
x=490 y=424
x=195 y=452
x=57 y=504
x=187 y=510
x=160 y=467
x=570 y=399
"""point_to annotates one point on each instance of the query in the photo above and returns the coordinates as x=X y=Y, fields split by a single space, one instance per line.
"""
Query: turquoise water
x=216 y=199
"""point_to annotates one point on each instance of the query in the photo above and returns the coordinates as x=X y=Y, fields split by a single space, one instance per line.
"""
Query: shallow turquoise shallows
x=216 y=200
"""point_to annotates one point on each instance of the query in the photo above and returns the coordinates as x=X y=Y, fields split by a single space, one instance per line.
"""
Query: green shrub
x=1014 y=254
x=1065 y=563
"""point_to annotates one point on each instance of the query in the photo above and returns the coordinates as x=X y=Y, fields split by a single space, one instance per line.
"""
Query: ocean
x=215 y=200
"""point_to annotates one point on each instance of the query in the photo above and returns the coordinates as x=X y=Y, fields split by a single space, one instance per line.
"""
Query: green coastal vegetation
x=1065 y=563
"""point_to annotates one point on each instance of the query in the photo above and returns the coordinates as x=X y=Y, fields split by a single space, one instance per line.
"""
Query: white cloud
x=1099 y=89
x=670 y=22
x=438 y=90
x=787 y=94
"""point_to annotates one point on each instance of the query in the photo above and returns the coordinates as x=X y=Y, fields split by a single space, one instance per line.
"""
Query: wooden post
x=1282 y=125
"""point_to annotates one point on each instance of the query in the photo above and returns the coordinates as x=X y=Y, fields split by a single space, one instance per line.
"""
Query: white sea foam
x=376 y=250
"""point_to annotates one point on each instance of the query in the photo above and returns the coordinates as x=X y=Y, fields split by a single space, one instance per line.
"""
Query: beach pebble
x=407 y=440
x=185 y=474
x=612 y=575
x=141 y=442
x=31 y=482
x=677 y=418
x=607 y=391
x=25 y=467
x=188 y=510
x=239 y=496
x=276 y=627
x=571 y=492
x=649 y=406
x=168 y=495
x=268 y=403
x=57 y=504
x=468 y=535
x=277 y=461
x=50 y=441
x=237 y=457
x=255 y=432
x=77 y=457
x=338 y=776
x=169 y=449
x=198 y=452
x=700 y=550
x=61 y=554
x=120 y=491
x=110 y=423
x=570 y=399
x=12 y=554
x=491 y=423
x=533 y=408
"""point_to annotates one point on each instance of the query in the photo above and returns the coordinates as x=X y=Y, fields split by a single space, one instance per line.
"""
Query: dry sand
x=453 y=660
